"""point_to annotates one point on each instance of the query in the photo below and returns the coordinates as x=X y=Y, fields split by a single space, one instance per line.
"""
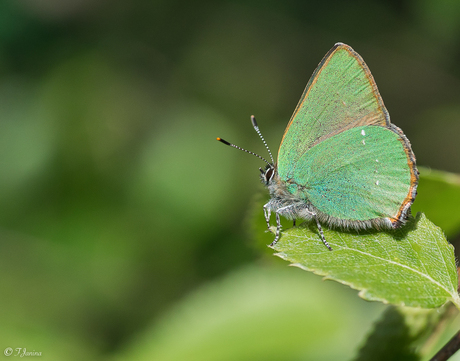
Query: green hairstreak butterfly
x=341 y=161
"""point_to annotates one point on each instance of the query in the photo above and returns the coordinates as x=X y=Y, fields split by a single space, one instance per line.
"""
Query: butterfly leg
x=322 y=234
x=278 y=230
x=267 y=214
x=293 y=222
x=278 y=222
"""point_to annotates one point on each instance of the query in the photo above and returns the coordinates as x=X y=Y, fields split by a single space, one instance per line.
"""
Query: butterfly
x=341 y=162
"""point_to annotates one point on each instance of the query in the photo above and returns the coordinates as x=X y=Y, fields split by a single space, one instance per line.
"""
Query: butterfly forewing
x=341 y=94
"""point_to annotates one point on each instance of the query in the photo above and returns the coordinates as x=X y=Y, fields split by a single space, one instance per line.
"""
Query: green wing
x=356 y=175
x=340 y=151
x=340 y=95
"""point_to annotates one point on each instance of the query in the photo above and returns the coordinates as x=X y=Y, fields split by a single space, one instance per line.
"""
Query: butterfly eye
x=269 y=174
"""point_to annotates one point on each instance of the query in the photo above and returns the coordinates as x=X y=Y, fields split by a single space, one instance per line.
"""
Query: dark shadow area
x=389 y=340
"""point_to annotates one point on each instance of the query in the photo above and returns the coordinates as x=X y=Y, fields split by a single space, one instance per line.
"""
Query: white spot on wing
x=377 y=160
x=364 y=142
x=363 y=133
x=377 y=183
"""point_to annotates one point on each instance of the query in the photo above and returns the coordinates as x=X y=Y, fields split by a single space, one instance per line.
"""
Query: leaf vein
x=403 y=266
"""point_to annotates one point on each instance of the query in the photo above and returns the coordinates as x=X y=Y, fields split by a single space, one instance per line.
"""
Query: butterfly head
x=267 y=174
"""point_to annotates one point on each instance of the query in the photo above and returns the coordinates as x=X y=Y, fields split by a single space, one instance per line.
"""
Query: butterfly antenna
x=244 y=150
x=256 y=127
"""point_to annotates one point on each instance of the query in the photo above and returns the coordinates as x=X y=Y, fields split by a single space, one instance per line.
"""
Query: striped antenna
x=244 y=150
x=256 y=127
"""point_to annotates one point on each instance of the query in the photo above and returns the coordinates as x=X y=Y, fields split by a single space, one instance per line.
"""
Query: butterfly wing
x=341 y=94
x=357 y=175
x=337 y=136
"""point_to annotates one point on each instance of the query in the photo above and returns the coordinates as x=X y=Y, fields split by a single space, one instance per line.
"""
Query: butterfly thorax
x=283 y=201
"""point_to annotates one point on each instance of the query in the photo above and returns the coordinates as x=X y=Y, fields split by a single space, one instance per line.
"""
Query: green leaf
x=413 y=266
x=438 y=196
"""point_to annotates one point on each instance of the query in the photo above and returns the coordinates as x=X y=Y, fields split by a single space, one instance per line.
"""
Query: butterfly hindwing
x=356 y=175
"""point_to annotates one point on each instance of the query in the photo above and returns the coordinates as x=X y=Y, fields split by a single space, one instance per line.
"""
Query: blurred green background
x=124 y=224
